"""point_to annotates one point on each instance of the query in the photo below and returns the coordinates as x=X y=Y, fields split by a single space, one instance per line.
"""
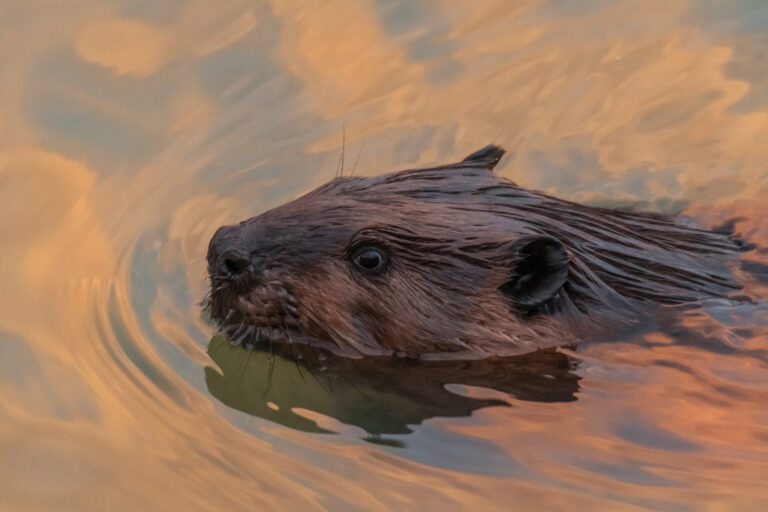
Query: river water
x=130 y=130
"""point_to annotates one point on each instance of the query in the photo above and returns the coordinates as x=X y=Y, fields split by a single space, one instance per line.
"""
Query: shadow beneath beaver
x=379 y=395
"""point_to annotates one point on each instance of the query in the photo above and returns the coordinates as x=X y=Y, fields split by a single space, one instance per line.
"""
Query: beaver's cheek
x=313 y=329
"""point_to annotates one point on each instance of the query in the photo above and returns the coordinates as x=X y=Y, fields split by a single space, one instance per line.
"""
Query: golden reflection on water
x=130 y=130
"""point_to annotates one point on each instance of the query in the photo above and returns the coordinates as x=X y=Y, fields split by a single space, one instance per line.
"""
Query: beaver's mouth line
x=251 y=336
x=260 y=317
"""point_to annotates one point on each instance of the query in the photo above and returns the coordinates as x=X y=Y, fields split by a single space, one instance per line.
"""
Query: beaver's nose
x=227 y=255
x=233 y=264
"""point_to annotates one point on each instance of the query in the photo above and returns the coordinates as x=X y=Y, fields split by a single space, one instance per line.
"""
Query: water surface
x=130 y=130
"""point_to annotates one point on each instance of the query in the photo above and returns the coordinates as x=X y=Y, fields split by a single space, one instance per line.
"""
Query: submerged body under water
x=131 y=130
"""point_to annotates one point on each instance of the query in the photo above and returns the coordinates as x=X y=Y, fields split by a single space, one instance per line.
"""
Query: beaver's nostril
x=235 y=265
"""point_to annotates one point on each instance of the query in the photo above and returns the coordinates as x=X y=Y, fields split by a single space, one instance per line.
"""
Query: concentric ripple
x=130 y=131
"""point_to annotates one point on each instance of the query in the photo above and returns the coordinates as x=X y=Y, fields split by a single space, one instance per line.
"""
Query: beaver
x=452 y=262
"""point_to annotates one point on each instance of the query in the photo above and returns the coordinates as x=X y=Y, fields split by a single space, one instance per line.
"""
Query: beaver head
x=451 y=260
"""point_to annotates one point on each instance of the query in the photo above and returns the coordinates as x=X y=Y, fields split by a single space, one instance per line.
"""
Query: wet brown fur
x=450 y=234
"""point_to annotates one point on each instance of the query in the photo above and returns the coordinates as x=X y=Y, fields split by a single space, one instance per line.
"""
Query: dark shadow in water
x=380 y=395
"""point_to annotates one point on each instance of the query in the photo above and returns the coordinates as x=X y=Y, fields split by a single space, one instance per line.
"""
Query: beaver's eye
x=369 y=258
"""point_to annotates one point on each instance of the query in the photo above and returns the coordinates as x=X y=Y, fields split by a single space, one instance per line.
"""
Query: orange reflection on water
x=129 y=131
x=130 y=46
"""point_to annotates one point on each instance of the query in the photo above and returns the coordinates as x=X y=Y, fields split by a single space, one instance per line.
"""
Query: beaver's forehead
x=334 y=221
x=438 y=203
x=309 y=219
x=367 y=207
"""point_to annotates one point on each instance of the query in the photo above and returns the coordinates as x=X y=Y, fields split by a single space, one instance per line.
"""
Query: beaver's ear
x=539 y=269
x=486 y=158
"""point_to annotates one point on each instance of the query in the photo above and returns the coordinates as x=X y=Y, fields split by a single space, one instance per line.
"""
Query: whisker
x=240 y=339
x=359 y=152
x=340 y=163
x=343 y=146
x=270 y=373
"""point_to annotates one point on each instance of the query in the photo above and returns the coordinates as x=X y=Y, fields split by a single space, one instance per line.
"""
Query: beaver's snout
x=228 y=255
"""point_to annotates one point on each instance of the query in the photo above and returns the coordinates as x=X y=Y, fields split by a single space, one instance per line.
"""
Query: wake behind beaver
x=452 y=262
